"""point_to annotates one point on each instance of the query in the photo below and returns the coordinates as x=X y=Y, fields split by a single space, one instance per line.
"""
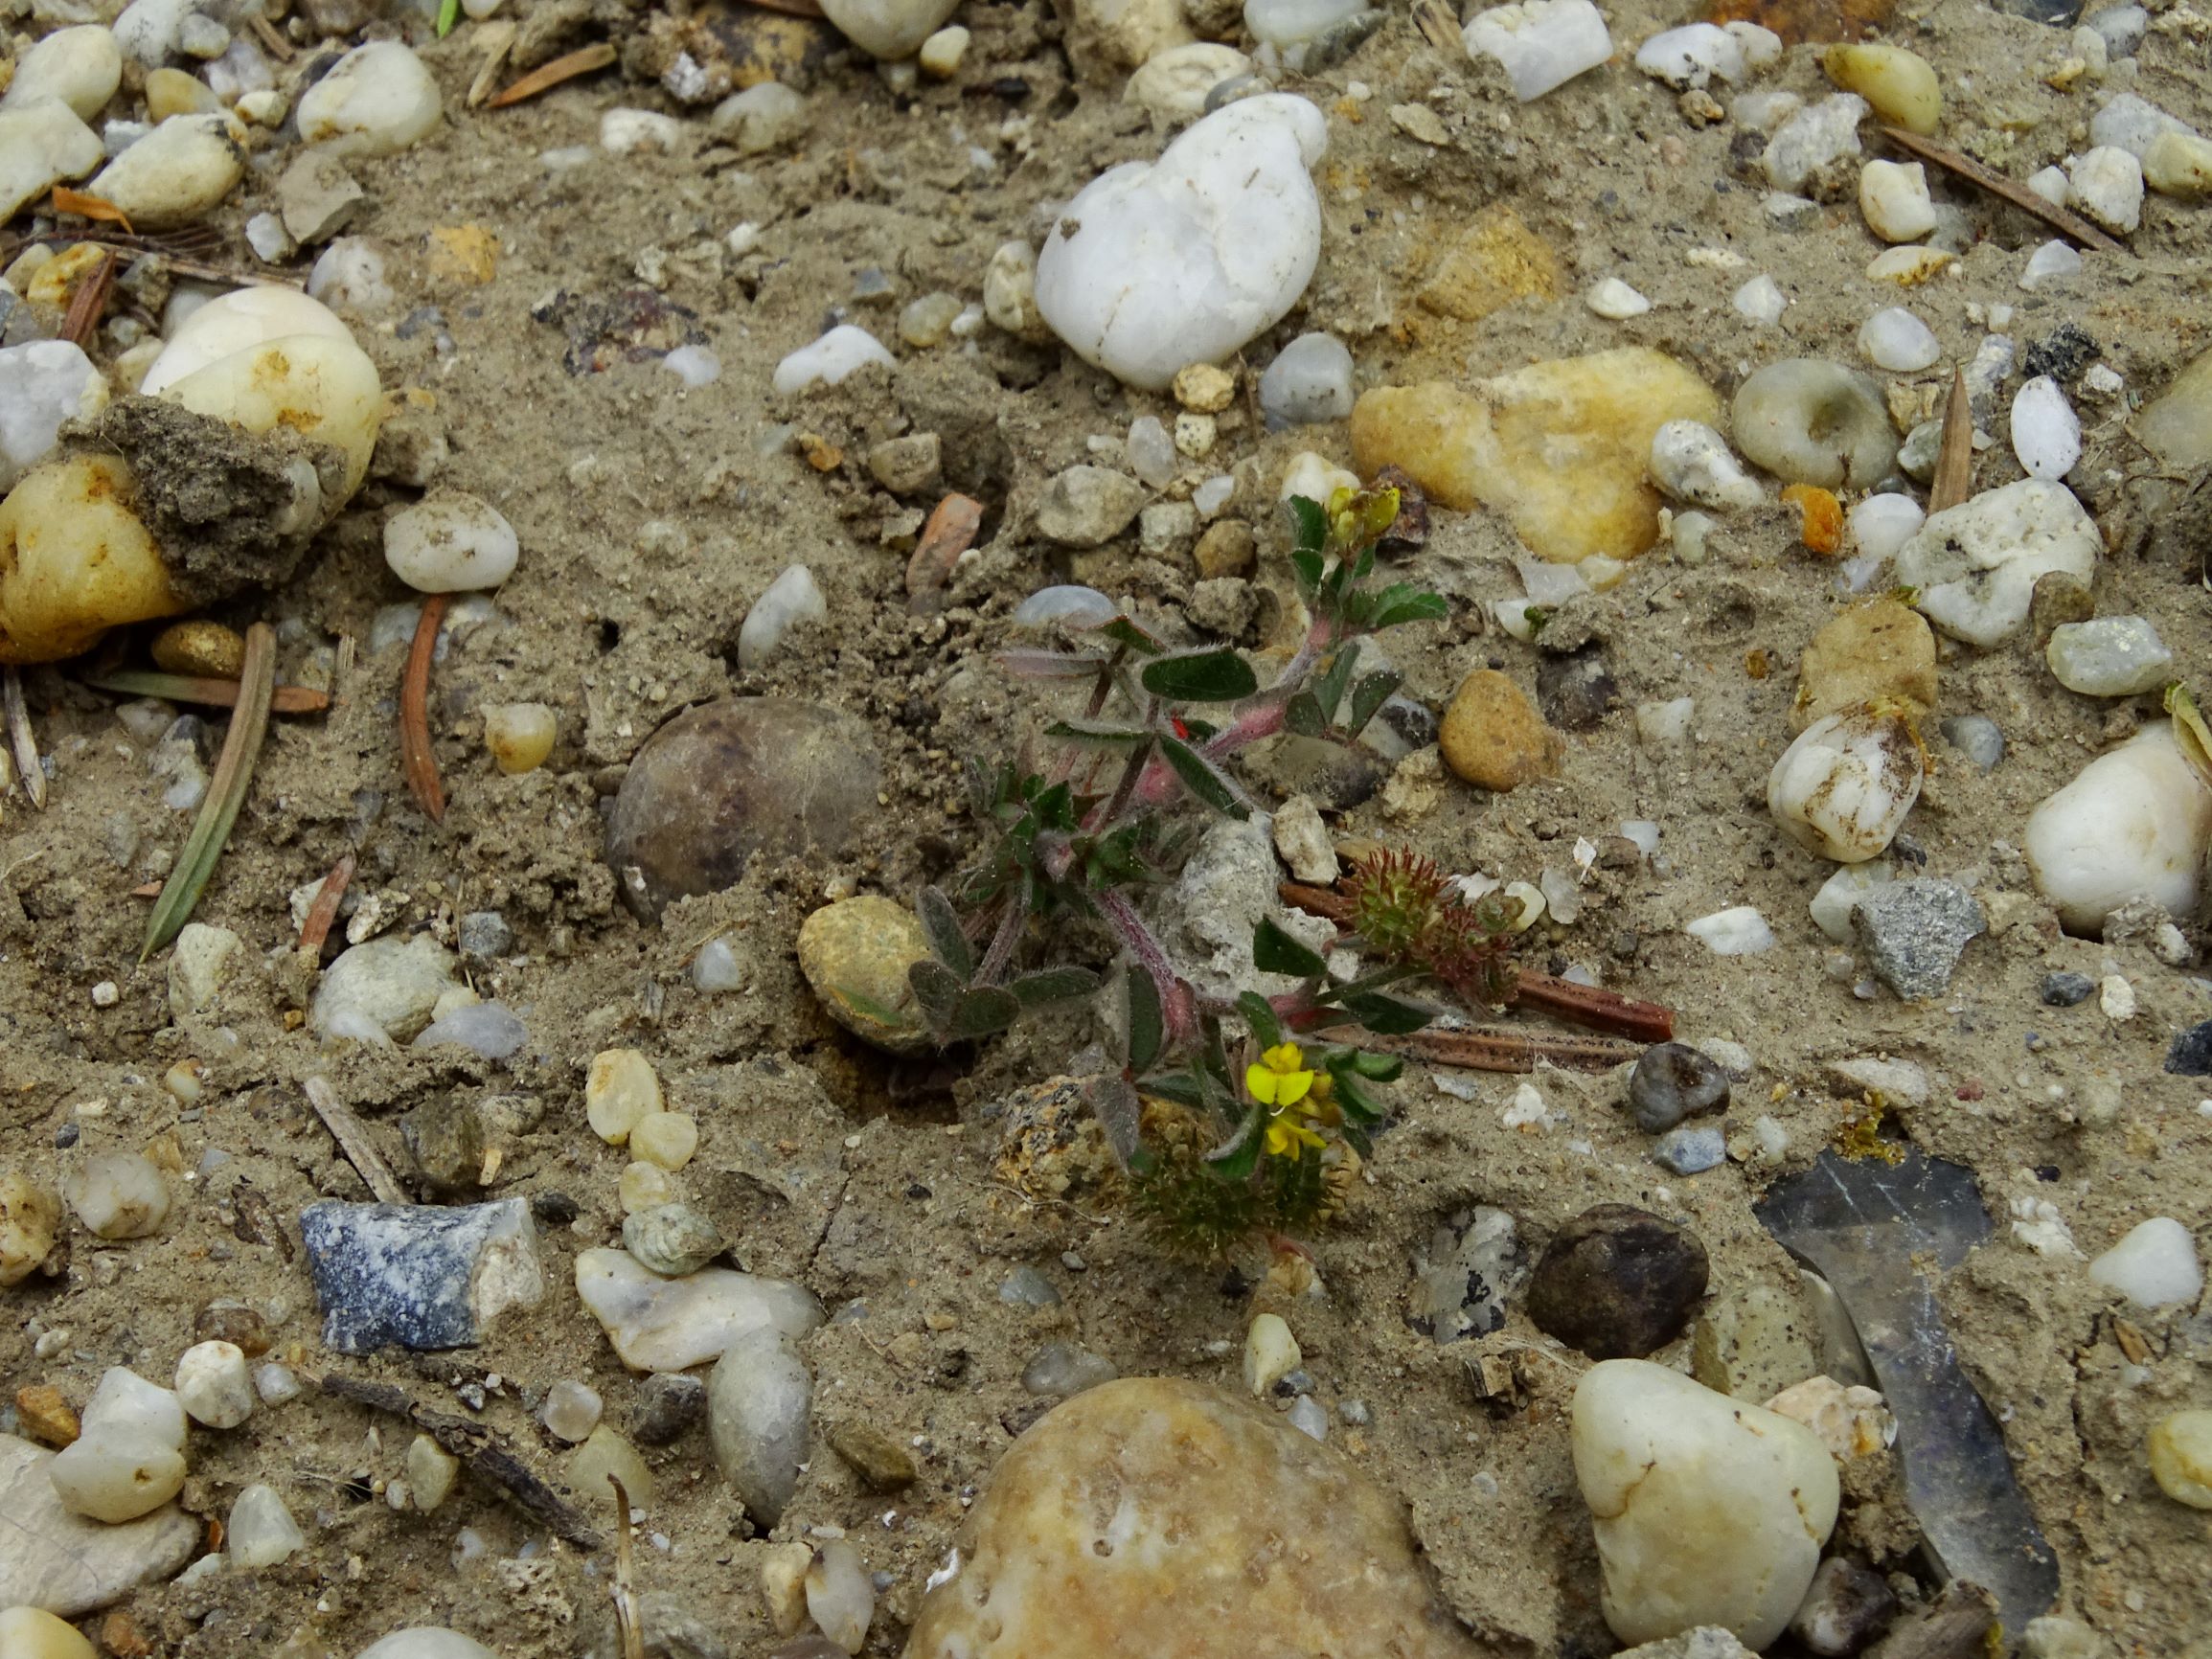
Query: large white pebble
x=1181 y=261
x=2047 y=432
x=450 y=542
x=118 y=1195
x=116 y=1477
x=178 y=172
x=377 y=101
x=1707 y=1510
x=2154 y=1265
x=1976 y=564
x=124 y=1402
x=2134 y=823
x=2107 y=186
x=426 y=1642
x=827 y=361
x=42 y=383
x=1540 y=43
x=33 y=1633
x=213 y=1385
x=314 y=385
x=80 y=66
x=1691 y=55
x=888 y=28
x=236 y=322
x=1843 y=789
x=40 y=144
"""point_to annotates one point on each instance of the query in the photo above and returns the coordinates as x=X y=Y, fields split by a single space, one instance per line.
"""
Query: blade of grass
x=1953 y=480
x=2067 y=224
x=192 y=689
x=23 y=739
x=547 y=76
x=629 y=1622
x=226 y=794
x=417 y=758
x=325 y=910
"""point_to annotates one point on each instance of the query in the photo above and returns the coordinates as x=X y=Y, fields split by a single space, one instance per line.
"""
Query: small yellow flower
x=1279 y=1080
x=1286 y=1136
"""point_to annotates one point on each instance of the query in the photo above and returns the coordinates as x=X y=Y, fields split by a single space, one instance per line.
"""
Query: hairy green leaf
x=1403 y=602
x=1053 y=984
x=1202 y=780
x=1302 y=716
x=1386 y=1015
x=1120 y=1114
x=1370 y=694
x=1381 y=1068
x=1124 y=632
x=1267 y=1029
x=1184 y=1088
x=1308 y=525
x=980 y=1011
x=1335 y=676
x=1217 y=676
x=1146 y=1029
x=1236 y=1158
x=1308 y=565
x=937 y=988
x=940 y=926
x=1275 y=951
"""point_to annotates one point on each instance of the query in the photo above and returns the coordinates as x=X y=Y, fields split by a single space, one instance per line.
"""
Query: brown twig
x=271 y=38
x=1489 y=1049
x=547 y=76
x=1953 y=480
x=194 y=689
x=483 y=1450
x=89 y=303
x=353 y=1141
x=2065 y=223
x=22 y=738
x=416 y=755
x=325 y=909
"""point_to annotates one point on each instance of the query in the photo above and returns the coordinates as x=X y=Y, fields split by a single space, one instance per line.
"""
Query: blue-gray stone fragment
x=419 y=1276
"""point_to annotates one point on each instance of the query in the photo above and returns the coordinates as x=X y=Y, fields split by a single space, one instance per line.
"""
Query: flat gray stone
x=423 y=1276
x=65 y=1564
x=1914 y=932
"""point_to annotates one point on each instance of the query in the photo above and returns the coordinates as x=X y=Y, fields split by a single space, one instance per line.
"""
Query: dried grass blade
x=353 y=1141
x=214 y=693
x=226 y=792
x=547 y=76
x=2067 y=224
x=417 y=758
x=89 y=207
x=23 y=739
x=1953 y=480
x=628 y=1623
x=325 y=910
x=1490 y=1050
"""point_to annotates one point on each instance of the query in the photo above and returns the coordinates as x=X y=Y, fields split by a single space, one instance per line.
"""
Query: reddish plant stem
x=1490 y=1050
x=417 y=758
x=1179 y=1008
x=325 y=910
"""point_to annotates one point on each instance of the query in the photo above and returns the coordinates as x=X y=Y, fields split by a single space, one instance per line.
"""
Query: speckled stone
x=417 y=1274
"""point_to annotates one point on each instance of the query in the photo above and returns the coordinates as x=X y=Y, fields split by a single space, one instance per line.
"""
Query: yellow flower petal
x=1262 y=1082
x=1291 y=1087
x=1278 y=1139
x=1282 y=1057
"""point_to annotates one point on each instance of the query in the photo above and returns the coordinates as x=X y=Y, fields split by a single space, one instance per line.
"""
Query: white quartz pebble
x=1895 y=200
x=1309 y=381
x=792 y=599
x=2134 y=823
x=888 y=30
x=351 y=272
x=1270 y=1354
x=1690 y=461
x=1174 y=84
x=2109 y=656
x=426 y=1642
x=1808 y=145
x=2047 y=433
x=2130 y=123
x=1738 y=931
x=1691 y=55
x=1708 y=1510
x=2051 y=261
x=1290 y=25
x=623 y=131
x=1843 y=787
x=450 y=542
x=693 y=365
x=841 y=1597
x=261 y=1532
x=1616 y=301
x=826 y=362
x=118 y=1195
x=1976 y=564
x=126 y=1403
x=2156 y=1265
x=378 y=99
x=116 y=1476
x=1882 y=524
x=176 y=174
x=42 y=383
x=2049 y=183
x=42 y=143
x=1540 y=43
x=1839 y=895
x=1665 y=722
x=759 y=1395
x=1897 y=340
x=1184 y=260
x=1760 y=301
x=214 y=1385
x=2107 y=186
x=81 y=66
x=659 y=1324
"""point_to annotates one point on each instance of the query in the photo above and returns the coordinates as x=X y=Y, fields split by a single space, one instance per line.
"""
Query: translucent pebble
x=2107 y=185
x=715 y=968
x=1690 y=461
x=1270 y=1354
x=1900 y=86
x=431 y=1471
x=1216 y=493
x=1807 y=146
x=2050 y=183
x=2154 y=1265
x=1897 y=340
x=2179 y=1451
x=118 y=1195
x=1740 y=931
x=2109 y=656
x=126 y=1403
x=42 y=384
x=571 y=1411
x=1839 y=894
x=840 y=1597
x=1691 y=55
x=1309 y=381
x=1882 y=524
x=214 y=1385
x=1150 y=452
x=1026 y=1288
x=2130 y=123
x=261 y=1532
x=643 y=1187
x=1071 y=606
x=1976 y=736
x=1760 y=301
x=665 y=1140
x=2047 y=433
x=116 y=1476
x=1616 y=301
x=926 y=320
x=490 y=1029
x=1644 y=832
x=2122 y=27
x=1894 y=198
x=828 y=360
x=693 y=365
x=1541 y=43
x=618 y=1090
x=941 y=54
x=519 y=736
x=276 y=1384
x=1812 y=422
x=792 y=599
x=1308 y=1416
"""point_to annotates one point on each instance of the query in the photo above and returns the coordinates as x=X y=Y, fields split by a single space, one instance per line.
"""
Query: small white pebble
x=1614 y=299
x=1897 y=340
x=2053 y=261
x=693 y=365
x=2046 y=433
x=106 y=994
x=1760 y=302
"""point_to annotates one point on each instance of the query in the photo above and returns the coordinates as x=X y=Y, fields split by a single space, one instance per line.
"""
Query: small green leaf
x=1120 y=1114
x=1218 y=676
x=940 y=924
x=1402 y=602
x=1098 y=734
x=1370 y=694
x=1302 y=716
x=1200 y=777
x=1386 y=1015
x=937 y=988
x=1275 y=951
x=1381 y=1068
x=1309 y=526
x=1181 y=1087
x=1335 y=674
x=1145 y=1027
x=1236 y=1157
x=1356 y=1139
x=1053 y=984
x=983 y=1011
x=1307 y=566
x=448 y=15
x=1349 y=1093
x=1124 y=632
x=1267 y=1029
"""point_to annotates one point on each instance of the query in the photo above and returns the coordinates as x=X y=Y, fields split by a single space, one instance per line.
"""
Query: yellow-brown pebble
x=1493 y=737
x=1204 y=389
x=200 y=647
x=1882 y=649
x=46 y=1416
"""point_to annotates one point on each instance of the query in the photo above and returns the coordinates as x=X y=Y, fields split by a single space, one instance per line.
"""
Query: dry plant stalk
x=23 y=739
x=353 y=1141
x=547 y=76
x=2067 y=224
x=629 y=1622
x=325 y=910
x=1953 y=480
x=196 y=689
x=416 y=756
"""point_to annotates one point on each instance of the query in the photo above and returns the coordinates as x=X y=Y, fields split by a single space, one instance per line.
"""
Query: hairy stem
x=1179 y=1008
x=1004 y=941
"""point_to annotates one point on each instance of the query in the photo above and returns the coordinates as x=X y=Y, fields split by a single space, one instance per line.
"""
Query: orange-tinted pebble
x=1822 y=518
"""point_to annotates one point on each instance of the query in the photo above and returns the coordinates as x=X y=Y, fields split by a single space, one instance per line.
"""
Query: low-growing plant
x=1227 y=1116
